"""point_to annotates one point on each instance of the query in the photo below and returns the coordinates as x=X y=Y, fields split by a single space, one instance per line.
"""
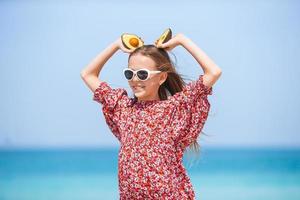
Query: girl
x=154 y=128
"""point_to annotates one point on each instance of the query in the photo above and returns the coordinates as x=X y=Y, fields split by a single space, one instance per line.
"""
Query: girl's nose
x=135 y=78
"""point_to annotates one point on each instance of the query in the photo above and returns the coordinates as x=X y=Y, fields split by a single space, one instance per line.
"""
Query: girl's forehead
x=138 y=62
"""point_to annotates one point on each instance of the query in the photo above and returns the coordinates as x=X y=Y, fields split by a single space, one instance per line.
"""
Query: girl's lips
x=138 y=87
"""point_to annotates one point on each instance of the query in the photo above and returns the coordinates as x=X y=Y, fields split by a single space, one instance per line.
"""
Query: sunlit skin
x=145 y=90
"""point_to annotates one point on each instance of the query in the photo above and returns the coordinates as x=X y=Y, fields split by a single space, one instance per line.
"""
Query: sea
x=91 y=174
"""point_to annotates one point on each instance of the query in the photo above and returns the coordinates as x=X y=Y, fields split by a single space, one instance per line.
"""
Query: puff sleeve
x=112 y=100
x=191 y=111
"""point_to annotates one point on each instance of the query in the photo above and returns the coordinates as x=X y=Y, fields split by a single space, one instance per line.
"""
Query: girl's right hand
x=120 y=45
x=172 y=43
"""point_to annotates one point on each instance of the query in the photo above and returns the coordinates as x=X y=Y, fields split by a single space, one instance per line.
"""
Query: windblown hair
x=174 y=82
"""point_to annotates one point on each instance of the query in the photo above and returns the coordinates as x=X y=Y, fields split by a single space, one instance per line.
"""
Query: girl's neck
x=155 y=98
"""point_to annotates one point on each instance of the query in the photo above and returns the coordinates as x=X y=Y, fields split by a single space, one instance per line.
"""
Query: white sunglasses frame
x=135 y=73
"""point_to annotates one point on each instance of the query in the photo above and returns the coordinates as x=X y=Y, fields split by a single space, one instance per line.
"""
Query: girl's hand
x=172 y=43
x=120 y=45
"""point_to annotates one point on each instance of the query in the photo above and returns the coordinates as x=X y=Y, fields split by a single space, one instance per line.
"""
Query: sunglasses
x=142 y=74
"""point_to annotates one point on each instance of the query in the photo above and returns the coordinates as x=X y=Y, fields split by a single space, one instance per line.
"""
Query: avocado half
x=131 y=41
x=165 y=37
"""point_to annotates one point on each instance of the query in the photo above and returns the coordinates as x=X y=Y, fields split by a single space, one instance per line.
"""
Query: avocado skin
x=125 y=40
x=168 y=35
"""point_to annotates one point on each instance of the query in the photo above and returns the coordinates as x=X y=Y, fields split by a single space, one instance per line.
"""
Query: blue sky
x=44 y=46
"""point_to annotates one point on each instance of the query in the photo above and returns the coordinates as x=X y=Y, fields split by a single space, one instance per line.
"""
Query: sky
x=45 y=44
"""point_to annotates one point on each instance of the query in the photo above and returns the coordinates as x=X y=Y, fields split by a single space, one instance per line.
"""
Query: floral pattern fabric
x=153 y=136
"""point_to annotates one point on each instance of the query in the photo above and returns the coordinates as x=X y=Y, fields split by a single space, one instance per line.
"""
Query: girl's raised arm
x=211 y=71
x=91 y=72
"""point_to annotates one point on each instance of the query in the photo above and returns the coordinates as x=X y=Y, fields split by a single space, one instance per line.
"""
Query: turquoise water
x=92 y=174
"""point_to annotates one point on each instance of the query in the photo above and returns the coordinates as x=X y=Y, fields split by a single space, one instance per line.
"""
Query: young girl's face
x=145 y=90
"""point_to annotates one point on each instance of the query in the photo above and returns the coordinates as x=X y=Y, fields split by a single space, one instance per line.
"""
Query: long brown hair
x=174 y=82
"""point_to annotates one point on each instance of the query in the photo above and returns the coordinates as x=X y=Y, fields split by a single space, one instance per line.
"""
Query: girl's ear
x=163 y=78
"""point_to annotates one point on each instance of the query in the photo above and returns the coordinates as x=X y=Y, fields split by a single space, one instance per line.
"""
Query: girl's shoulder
x=106 y=95
x=192 y=91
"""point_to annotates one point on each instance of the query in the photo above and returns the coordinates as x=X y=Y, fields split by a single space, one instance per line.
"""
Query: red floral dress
x=153 y=136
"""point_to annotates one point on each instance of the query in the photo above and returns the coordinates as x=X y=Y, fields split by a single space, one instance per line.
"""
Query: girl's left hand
x=172 y=43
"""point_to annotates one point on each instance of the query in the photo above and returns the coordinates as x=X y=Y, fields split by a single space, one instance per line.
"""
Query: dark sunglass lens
x=142 y=74
x=128 y=74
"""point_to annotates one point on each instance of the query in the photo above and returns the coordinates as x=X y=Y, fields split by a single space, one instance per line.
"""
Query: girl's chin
x=139 y=94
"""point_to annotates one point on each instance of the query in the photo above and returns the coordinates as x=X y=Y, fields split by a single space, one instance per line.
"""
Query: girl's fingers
x=125 y=50
x=167 y=44
x=164 y=45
